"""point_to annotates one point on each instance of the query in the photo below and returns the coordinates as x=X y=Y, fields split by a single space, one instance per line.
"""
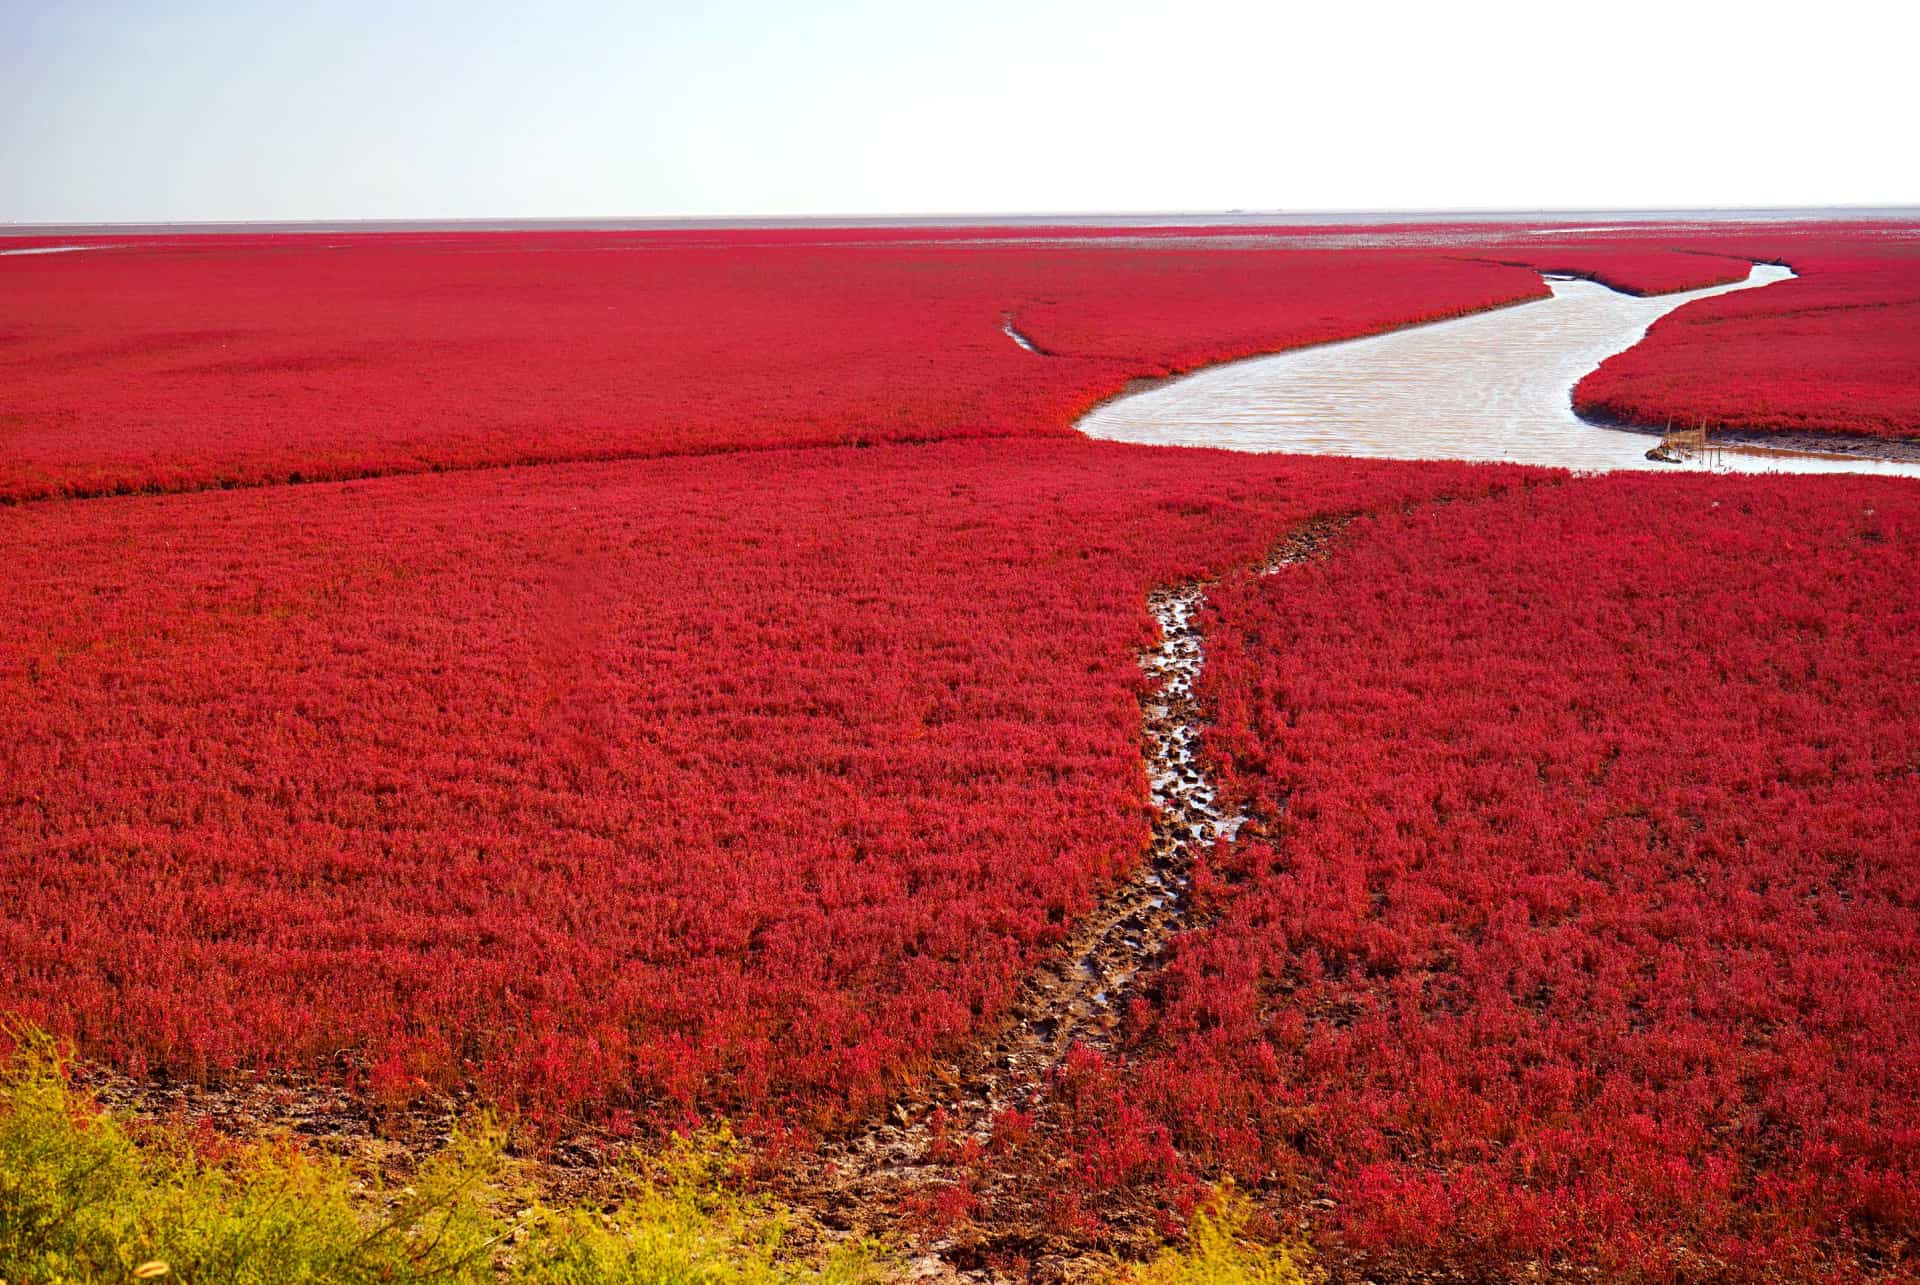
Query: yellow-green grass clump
x=86 y=1197
x=1218 y=1251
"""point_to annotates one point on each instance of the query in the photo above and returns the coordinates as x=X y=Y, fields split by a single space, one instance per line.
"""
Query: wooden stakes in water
x=1680 y=444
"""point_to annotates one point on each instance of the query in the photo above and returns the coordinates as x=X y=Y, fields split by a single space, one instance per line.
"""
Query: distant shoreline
x=1218 y=218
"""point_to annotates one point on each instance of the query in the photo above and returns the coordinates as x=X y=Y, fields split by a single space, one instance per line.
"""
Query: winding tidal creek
x=1493 y=386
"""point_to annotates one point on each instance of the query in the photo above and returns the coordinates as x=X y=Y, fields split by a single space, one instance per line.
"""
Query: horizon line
x=1303 y=217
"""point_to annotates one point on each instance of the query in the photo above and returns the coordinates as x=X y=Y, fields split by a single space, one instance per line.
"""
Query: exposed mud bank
x=326 y=1117
x=1837 y=447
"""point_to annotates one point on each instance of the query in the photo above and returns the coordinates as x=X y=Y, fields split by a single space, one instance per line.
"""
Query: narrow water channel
x=51 y=249
x=1494 y=386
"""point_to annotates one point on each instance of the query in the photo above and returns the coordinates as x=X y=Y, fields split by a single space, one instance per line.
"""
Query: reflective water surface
x=1494 y=386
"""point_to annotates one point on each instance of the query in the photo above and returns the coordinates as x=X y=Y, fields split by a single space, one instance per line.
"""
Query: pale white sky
x=146 y=110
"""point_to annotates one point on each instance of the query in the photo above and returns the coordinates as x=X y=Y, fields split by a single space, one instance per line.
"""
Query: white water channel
x=1013 y=332
x=52 y=249
x=1493 y=386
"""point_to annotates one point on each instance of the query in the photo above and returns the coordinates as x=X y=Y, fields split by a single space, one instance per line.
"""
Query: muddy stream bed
x=861 y=1183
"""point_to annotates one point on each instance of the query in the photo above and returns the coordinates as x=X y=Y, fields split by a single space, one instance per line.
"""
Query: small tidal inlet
x=49 y=249
x=1493 y=386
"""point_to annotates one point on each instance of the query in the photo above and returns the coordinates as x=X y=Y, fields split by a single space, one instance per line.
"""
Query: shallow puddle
x=1494 y=386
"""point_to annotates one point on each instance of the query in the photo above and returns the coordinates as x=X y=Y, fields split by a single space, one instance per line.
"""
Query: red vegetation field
x=184 y=364
x=1584 y=923
x=1837 y=351
x=1576 y=923
x=713 y=781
